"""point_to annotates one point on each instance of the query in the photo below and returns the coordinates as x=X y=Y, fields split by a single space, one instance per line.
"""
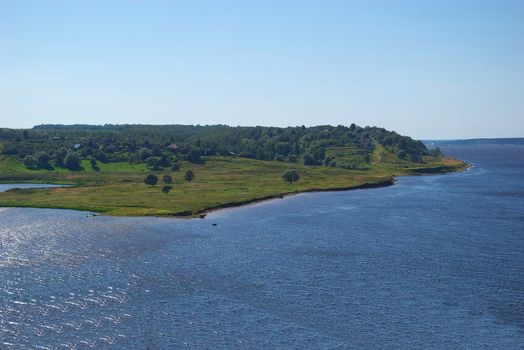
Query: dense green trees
x=160 y=146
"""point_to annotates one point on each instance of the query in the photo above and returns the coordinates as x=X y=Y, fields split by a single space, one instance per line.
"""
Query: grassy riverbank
x=118 y=188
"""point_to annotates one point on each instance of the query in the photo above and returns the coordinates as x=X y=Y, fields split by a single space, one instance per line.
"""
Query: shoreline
x=203 y=210
x=201 y=214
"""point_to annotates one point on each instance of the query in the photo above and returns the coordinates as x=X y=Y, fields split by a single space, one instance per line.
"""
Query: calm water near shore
x=434 y=262
x=5 y=187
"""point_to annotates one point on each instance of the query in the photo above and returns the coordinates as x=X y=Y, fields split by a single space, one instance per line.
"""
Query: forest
x=162 y=146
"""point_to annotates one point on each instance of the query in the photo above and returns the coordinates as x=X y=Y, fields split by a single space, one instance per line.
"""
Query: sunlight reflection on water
x=427 y=263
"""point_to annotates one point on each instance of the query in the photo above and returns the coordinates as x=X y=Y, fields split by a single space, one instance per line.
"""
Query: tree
x=166 y=189
x=194 y=157
x=309 y=160
x=189 y=176
x=436 y=152
x=153 y=162
x=151 y=180
x=72 y=160
x=144 y=153
x=60 y=155
x=30 y=162
x=101 y=156
x=165 y=161
x=167 y=179
x=42 y=159
x=94 y=164
x=402 y=154
x=290 y=176
x=175 y=167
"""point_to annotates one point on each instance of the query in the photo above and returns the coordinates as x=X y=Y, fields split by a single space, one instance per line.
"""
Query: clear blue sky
x=428 y=69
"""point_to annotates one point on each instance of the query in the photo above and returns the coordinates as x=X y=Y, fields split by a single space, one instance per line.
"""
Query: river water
x=434 y=262
x=5 y=187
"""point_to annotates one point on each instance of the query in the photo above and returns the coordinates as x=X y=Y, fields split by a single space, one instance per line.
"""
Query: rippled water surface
x=432 y=262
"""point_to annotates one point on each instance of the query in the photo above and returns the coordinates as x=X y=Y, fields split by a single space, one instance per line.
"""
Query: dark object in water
x=214 y=224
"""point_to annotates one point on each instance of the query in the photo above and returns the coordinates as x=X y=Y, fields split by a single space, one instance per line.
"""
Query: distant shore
x=220 y=182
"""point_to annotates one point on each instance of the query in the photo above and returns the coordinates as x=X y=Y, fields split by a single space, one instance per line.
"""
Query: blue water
x=434 y=262
x=5 y=187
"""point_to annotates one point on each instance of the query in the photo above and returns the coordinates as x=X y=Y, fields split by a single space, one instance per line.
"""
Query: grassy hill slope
x=118 y=188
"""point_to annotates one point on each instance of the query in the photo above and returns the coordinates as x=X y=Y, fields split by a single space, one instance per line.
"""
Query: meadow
x=119 y=189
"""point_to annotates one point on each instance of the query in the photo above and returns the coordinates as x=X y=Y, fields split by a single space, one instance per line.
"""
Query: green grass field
x=118 y=188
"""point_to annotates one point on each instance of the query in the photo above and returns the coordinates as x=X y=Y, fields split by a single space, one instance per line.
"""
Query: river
x=433 y=262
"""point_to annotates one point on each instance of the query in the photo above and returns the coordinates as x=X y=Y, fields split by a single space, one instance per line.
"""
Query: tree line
x=161 y=146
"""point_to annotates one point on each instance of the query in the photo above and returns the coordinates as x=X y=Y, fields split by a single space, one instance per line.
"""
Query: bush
x=166 y=189
x=175 y=167
x=144 y=153
x=94 y=164
x=42 y=159
x=309 y=160
x=153 y=162
x=101 y=156
x=402 y=154
x=189 y=176
x=279 y=157
x=290 y=176
x=194 y=157
x=30 y=162
x=72 y=160
x=151 y=180
x=60 y=155
x=167 y=179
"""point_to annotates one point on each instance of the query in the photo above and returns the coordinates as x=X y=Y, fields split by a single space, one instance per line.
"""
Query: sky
x=430 y=69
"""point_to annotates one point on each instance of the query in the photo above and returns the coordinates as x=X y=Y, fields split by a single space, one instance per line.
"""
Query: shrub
x=42 y=159
x=166 y=189
x=144 y=153
x=189 y=175
x=153 y=162
x=290 y=176
x=309 y=160
x=194 y=157
x=72 y=160
x=30 y=162
x=151 y=180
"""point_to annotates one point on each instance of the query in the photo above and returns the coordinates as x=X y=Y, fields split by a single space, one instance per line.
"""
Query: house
x=176 y=148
